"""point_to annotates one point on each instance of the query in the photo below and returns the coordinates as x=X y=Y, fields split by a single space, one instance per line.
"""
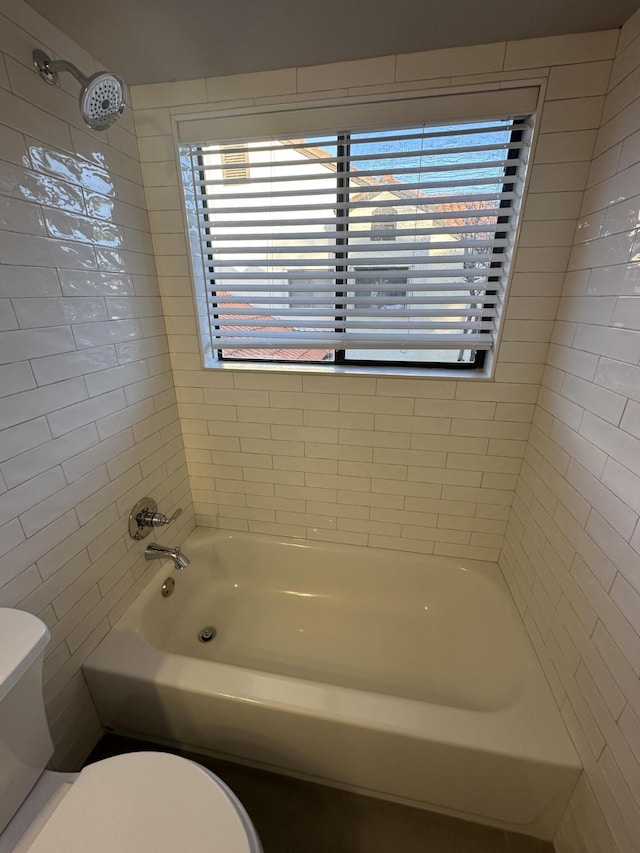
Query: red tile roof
x=284 y=354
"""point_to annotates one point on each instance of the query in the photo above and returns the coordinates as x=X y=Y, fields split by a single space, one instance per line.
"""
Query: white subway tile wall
x=88 y=421
x=572 y=548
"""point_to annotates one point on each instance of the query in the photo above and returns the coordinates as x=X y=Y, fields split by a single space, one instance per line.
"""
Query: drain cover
x=207 y=634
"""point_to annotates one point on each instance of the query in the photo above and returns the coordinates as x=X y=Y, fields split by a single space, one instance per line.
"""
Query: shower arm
x=49 y=68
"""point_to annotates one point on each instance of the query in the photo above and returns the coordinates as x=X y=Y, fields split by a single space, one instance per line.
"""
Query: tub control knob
x=145 y=516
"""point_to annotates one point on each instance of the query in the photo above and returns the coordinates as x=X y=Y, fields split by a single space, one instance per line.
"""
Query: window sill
x=351 y=370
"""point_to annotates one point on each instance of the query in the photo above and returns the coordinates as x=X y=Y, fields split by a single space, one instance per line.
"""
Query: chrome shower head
x=103 y=96
x=102 y=100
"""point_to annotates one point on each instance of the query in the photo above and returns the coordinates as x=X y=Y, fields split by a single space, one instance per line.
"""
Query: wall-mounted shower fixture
x=103 y=96
x=145 y=516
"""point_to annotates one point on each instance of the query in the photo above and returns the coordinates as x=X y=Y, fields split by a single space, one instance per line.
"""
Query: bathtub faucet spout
x=161 y=552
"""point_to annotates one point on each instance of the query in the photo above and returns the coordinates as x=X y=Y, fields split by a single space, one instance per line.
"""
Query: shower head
x=103 y=96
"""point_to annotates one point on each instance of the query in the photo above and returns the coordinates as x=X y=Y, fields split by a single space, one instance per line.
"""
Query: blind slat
x=424 y=202
x=209 y=219
x=416 y=276
x=216 y=240
x=363 y=189
x=231 y=254
x=364 y=310
x=423 y=136
x=433 y=341
x=445 y=298
x=448 y=294
x=359 y=178
x=309 y=261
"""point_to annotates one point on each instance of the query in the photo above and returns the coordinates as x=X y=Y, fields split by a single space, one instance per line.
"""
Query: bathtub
x=398 y=675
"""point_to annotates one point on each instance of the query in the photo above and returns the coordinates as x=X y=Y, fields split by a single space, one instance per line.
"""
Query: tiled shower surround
x=88 y=411
x=548 y=452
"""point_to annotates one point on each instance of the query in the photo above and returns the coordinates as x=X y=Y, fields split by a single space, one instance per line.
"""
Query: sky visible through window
x=387 y=150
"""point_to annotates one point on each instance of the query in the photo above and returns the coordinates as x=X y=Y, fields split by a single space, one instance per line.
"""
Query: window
x=385 y=246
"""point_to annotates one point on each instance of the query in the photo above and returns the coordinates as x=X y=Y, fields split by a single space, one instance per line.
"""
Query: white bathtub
x=397 y=675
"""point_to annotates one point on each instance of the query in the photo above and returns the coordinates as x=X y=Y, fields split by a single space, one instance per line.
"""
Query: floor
x=292 y=816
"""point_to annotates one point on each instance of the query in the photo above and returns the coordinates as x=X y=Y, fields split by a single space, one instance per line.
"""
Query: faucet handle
x=145 y=516
x=156 y=519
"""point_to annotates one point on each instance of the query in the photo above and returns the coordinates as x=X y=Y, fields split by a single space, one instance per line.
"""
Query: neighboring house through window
x=234 y=162
x=384 y=224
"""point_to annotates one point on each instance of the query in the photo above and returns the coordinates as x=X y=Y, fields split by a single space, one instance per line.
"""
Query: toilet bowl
x=131 y=803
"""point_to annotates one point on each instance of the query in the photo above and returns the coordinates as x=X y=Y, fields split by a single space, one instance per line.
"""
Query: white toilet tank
x=25 y=742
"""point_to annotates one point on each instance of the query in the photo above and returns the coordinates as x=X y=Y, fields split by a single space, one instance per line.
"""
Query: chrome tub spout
x=161 y=552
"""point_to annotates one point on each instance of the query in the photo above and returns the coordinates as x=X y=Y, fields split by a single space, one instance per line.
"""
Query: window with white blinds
x=386 y=246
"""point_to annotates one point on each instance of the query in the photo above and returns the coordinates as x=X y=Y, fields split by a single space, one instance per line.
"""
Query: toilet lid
x=148 y=801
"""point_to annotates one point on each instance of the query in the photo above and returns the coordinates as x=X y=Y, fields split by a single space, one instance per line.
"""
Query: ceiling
x=150 y=41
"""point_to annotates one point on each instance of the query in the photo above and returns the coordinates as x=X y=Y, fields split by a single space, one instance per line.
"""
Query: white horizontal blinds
x=395 y=240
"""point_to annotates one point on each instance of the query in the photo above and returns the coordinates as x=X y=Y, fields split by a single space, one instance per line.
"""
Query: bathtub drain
x=207 y=634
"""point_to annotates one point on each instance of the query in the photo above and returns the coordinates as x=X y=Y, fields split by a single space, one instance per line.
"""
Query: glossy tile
x=120 y=308
x=115 y=164
x=627 y=313
x=18 y=182
x=65 y=498
x=25 y=496
x=52 y=99
x=24 y=344
x=11 y=535
x=16 y=377
x=115 y=377
x=13 y=146
x=22 y=249
x=580 y=80
x=566 y=146
x=84 y=412
x=16 y=215
x=125 y=418
x=572 y=114
x=33 y=313
x=25 y=281
x=17 y=439
x=7 y=316
x=68 y=226
x=45 y=456
x=125 y=262
x=74 y=283
x=83 y=363
x=29 y=119
x=100 y=333
x=98 y=454
x=70 y=168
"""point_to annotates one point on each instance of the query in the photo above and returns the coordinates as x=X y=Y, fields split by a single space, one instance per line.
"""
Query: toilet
x=141 y=801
